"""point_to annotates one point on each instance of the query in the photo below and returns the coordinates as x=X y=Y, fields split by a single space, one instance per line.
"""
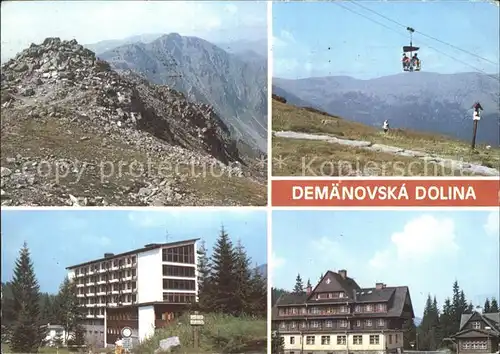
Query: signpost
x=196 y=320
x=476 y=117
x=126 y=333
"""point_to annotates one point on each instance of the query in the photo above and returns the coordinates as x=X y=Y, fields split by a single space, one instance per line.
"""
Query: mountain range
x=438 y=103
x=232 y=81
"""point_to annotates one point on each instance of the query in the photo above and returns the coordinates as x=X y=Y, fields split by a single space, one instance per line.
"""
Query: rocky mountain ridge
x=61 y=84
x=204 y=72
x=424 y=101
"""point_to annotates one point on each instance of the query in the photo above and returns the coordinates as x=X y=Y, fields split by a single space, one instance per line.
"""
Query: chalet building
x=142 y=289
x=479 y=333
x=338 y=316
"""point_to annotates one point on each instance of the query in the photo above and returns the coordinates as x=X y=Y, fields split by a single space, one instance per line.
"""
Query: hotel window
x=358 y=308
x=358 y=323
x=380 y=308
x=369 y=308
x=343 y=323
x=368 y=323
x=390 y=338
x=283 y=325
x=341 y=295
x=325 y=340
x=329 y=324
x=310 y=340
x=381 y=322
x=293 y=325
x=341 y=340
x=181 y=254
x=374 y=339
x=357 y=340
x=292 y=340
x=315 y=324
x=303 y=325
x=179 y=284
x=476 y=325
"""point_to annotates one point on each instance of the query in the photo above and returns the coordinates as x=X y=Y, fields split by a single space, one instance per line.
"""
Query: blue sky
x=303 y=32
x=426 y=251
x=58 y=239
x=24 y=22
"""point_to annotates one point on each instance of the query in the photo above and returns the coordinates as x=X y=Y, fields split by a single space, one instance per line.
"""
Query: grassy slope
x=220 y=334
x=288 y=117
x=37 y=139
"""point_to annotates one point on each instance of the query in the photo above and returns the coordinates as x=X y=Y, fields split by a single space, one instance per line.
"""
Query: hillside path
x=445 y=162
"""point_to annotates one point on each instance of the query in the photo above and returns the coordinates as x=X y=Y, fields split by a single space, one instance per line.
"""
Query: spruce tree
x=309 y=283
x=258 y=294
x=446 y=319
x=457 y=314
x=204 y=280
x=320 y=277
x=494 y=306
x=299 y=285
x=26 y=332
x=470 y=308
x=487 y=306
x=222 y=275
x=68 y=312
x=47 y=312
x=242 y=277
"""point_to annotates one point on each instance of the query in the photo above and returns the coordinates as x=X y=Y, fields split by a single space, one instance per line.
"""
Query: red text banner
x=386 y=193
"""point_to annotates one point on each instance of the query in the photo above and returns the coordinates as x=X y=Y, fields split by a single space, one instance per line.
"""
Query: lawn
x=290 y=118
x=220 y=334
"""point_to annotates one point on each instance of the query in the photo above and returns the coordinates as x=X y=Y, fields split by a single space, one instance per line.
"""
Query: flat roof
x=138 y=250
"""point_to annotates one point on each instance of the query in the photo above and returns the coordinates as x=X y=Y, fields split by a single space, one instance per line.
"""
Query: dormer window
x=341 y=295
x=476 y=325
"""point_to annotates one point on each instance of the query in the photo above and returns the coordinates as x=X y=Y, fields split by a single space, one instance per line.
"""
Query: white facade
x=149 y=275
x=351 y=342
x=135 y=278
x=146 y=322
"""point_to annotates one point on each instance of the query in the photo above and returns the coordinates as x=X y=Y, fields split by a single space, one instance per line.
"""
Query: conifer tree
x=68 y=311
x=204 y=279
x=258 y=294
x=494 y=306
x=299 y=285
x=487 y=306
x=308 y=283
x=242 y=277
x=222 y=275
x=26 y=332
x=320 y=277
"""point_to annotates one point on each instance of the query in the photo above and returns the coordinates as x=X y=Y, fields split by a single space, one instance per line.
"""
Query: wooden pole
x=195 y=337
x=474 y=134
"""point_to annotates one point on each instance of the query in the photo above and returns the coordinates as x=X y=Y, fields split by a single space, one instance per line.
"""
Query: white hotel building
x=142 y=289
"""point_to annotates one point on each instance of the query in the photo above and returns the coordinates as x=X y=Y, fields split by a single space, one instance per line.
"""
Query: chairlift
x=411 y=63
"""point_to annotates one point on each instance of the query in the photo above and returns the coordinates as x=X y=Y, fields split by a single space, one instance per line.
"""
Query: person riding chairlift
x=415 y=61
x=406 y=62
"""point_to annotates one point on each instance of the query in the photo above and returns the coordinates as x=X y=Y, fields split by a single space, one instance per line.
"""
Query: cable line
x=422 y=34
x=431 y=47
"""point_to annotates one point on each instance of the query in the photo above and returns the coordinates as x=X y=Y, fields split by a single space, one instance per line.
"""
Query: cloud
x=492 y=224
x=284 y=39
x=423 y=238
x=276 y=261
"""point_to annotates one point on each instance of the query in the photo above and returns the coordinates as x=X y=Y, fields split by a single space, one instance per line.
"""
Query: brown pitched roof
x=492 y=319
x=395 y=297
